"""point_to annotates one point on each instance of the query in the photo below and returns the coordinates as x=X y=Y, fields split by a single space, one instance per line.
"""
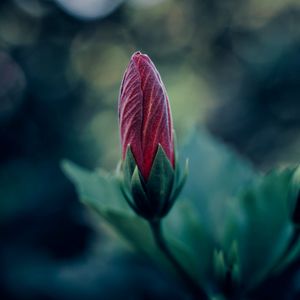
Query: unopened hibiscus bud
x=150 y=173
x=144 y=114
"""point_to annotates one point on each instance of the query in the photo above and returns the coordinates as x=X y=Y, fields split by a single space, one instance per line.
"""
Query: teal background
x=230 y=67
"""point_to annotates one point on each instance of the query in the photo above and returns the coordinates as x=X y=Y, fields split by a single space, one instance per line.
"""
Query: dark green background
x=232 y=67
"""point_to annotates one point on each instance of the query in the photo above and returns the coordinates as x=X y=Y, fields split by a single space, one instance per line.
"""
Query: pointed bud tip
x=139 y=56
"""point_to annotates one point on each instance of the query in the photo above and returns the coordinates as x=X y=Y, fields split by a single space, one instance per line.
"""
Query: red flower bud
x=144 y=114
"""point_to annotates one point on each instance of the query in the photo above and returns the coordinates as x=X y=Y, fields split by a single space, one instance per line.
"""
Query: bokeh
x=231 y=67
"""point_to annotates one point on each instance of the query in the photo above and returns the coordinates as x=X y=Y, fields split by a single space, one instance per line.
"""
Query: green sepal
x=125 y=171
x=179 y=181
x=124 y=189
x=179 y=178
x=128 y=167
x=160 y=182
x=175 y=147
x=141 y=201
x=120 y=181
x=154 y=197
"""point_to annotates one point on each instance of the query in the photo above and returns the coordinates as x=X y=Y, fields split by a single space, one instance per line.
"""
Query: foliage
x=230 y=228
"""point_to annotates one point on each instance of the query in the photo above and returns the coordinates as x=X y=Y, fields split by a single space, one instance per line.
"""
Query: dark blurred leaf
x=216 y=174
x=262 y=225
x=200 y=219
x=102 y=193
x=98 y=189
x=227 y=215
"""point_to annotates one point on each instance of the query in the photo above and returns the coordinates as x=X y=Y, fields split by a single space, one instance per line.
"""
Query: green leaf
x=213 y=210
x=98 y=189
x=293 y=254
x=183 y=226
x=216 y=175
x=262 y=225
x=201 y=216
x=101 y=192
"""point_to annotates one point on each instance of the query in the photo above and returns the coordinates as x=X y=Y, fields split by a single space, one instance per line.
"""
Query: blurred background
x=232 y=67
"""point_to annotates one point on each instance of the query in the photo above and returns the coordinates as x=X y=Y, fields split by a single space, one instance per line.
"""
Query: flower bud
x=150 y=175
x=144 y=114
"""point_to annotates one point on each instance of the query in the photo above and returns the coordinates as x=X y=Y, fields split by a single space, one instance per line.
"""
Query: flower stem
x=195 y=289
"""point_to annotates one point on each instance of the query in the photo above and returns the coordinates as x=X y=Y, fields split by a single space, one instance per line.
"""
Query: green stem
x=196 y=290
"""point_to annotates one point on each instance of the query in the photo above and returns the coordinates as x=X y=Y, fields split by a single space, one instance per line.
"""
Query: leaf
x=225 y=200
x=293 y=254
x=98 y=189
x=101 y=192
x=214 y=210
x=263 y=227
x=201 y=216
x=216 y=174
x=183 y=226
